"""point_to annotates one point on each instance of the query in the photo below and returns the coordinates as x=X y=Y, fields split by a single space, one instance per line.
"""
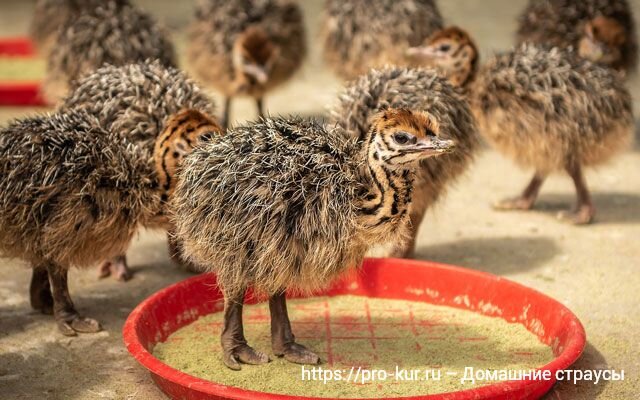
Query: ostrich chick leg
x=260 y=106
x=528 y=197
x=585 y=210
x=68 y=320
x=40 y=291
x=234 y=345
x=225 y=113
x=282 y=339
x=117 y=267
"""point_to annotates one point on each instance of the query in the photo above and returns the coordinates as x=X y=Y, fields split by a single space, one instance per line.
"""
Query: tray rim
x=163 y=374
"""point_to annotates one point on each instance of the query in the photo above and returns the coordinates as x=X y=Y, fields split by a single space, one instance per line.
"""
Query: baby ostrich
x=134 y=102
x=412 y=88
x=359 y=36
x=72 y=194
x=246 y=47
x=603 y=31
x=547 y=108
x=49 y=16
x=287 y=204
x=113 y=32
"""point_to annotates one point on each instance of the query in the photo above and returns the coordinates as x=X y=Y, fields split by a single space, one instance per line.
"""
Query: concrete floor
x=593 y=270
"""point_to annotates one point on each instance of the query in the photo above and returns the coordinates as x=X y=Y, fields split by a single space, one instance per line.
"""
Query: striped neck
x=389 y=194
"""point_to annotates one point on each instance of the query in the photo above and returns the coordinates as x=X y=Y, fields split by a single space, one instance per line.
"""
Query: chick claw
x=516 y=203
x=78 y=324
x=582 y=216
x=297 y=353
x=244 y=354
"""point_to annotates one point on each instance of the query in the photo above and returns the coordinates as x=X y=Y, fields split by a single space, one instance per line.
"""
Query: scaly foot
x=515 y=203
x=243 y=353
x=73 y=324
x=583 y=216
x=297 y=353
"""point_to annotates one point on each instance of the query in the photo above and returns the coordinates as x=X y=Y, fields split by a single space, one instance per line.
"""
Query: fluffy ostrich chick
x=359 y=35
x=134 y=102
x=546 y=108
x=603 y=31
x=49 y=16
x=73 y=194
x=287 y=204
x=112 y=32
x=398 y=87
x=246 y=47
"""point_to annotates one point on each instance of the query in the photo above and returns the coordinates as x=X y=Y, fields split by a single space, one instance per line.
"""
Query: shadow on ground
x=499 y=256
x=591 y=359
x=611 y=208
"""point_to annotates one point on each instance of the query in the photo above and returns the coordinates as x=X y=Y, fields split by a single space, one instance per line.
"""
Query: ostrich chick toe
x=582 y=216
x=73 y=324
x=514 y=203
x=243 y=353
x=297 y=353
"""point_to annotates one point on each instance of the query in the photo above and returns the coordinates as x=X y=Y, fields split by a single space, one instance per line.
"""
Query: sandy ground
x=593 y=270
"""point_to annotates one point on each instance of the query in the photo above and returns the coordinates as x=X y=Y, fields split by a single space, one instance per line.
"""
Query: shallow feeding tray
x=429 y=286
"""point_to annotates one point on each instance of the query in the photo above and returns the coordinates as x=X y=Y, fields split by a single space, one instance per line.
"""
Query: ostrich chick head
x=401 y=137
x=181 y=134
x=602 y=41
x=452 y=52
x=254 y=57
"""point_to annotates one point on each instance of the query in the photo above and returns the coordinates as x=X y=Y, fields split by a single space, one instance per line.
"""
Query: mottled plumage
x=562 y=23
x=416 y=89
x=272 y=204
x=72 y=193
x=359 y=35
x=218 y=26
x=49 y=16
x=112 y=33
x=548 y=107
x=552 y=110
x=287 y=203
x=134 y=101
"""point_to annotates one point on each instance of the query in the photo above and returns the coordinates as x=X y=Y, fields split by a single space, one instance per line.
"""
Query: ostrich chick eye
x=445 y=47
x=404 y=138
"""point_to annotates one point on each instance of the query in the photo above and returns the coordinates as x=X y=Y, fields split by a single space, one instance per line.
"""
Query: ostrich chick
x=359 y=36
x=603 y=31
x=134 y=102
x=72 y=194
x=547 y=108
x=287 y=204
x=246 y=47
x=49 y=16
x=412 y=88
x=113 y=32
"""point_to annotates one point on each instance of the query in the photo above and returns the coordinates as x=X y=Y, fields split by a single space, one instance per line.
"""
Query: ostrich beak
x=434 y=146
x=425 y=52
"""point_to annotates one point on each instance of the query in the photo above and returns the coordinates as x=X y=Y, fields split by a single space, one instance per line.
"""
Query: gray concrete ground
x=593 y=270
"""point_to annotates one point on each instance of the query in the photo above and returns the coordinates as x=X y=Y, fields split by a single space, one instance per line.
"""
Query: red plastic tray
x=178 y=305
